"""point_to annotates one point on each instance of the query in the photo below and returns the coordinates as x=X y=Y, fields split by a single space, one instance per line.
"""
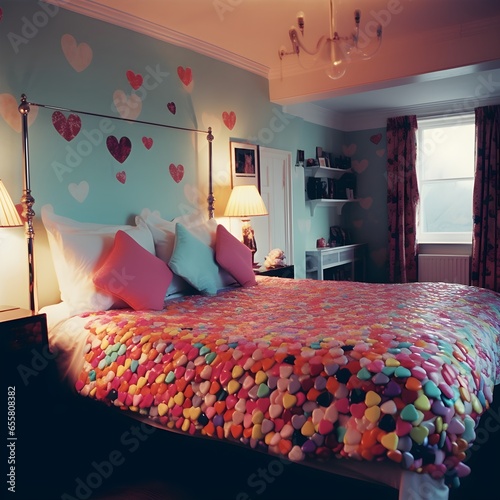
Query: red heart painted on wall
x=229 y=119
x=171 y=107
x=148 y=142
x=376 y=138
x=119 y=150
x=68 y=128
x=134 y=80
x=177 y=172
x=1 y=13
x=122 y=176
x=185 y=74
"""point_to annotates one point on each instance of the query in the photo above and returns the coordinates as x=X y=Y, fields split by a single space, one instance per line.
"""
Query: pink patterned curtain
x=486 y=200
x=402 y=198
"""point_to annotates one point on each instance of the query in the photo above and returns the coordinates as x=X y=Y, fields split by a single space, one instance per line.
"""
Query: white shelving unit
x=325 y=172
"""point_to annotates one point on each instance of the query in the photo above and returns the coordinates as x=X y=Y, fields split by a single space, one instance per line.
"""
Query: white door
x=275 y=230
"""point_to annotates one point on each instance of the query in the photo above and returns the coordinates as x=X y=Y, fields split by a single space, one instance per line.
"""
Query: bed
x=165 y=321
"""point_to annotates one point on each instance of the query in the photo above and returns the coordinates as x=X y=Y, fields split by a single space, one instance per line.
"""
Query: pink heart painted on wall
x=119 y=150
x=68 y=128
x=79 y=55
x=376 y=138
x=229 y=119
x=177 y=172
x=359 y=166
x=10 y=113
x=349 y=150
x=148 y=142
x=122 y=176
x=185 y=74
x=171 y=107
x=134 y=80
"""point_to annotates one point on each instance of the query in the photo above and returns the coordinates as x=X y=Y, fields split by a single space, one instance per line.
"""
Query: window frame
x=426 y=123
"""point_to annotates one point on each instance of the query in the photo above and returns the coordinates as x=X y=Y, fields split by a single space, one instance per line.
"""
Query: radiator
x=444 y=268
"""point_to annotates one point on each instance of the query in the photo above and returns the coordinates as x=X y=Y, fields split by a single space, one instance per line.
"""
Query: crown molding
x=373 y=119
x=109 y=15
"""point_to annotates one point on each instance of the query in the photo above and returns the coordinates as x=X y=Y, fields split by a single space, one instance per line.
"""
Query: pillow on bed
x=78 y=249
x=133 y=274
x=234 y=257
x=194 y=261
x=163 y=232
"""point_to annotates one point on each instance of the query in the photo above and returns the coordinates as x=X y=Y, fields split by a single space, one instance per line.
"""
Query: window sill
x=445 y=248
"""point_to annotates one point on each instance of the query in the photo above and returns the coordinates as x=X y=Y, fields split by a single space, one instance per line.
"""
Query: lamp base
x=249 y=238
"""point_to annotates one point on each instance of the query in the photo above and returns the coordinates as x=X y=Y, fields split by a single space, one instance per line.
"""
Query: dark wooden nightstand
x=28 y=378
x=279 y=272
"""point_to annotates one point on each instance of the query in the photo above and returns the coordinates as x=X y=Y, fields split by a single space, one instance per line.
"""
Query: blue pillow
x=194 y=261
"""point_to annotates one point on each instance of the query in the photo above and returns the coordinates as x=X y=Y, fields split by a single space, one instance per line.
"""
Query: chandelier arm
x=368 y=55
x=298 y=43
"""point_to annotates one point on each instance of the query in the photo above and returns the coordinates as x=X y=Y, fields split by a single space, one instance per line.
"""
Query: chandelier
x=341 y=50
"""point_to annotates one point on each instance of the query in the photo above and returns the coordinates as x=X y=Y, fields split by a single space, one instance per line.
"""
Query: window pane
x=447 y=152
x=446 y=206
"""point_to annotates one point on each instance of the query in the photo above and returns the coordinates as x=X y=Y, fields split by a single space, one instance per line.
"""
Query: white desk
x=325 y=258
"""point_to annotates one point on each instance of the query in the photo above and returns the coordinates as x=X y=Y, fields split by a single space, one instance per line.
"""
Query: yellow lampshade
x=245 y=201
x=9 y=217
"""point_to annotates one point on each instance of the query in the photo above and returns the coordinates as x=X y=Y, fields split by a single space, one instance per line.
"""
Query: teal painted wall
x=64 y=59
x=367 y=219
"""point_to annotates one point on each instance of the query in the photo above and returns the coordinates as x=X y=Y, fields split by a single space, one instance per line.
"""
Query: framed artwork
x=300 y=158
x=244 y=164
x=322 y=162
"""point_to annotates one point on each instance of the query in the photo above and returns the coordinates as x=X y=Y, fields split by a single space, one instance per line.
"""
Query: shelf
x=333 y=173
x=338 y=204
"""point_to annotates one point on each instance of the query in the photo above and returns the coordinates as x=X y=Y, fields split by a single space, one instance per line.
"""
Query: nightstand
x=279 y=272
x=28 y=378
x=26 y=360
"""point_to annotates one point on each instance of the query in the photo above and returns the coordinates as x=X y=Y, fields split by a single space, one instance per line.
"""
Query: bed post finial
x=28 y=201
x=210 y=199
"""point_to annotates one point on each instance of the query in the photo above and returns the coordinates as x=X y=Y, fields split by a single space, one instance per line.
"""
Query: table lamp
x=9 y=216
x=245 y=202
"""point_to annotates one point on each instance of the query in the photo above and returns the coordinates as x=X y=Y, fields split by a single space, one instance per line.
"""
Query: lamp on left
x=9 y=216
x=245 y=202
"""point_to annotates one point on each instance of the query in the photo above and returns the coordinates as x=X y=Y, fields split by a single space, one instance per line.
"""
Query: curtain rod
x=68 y=110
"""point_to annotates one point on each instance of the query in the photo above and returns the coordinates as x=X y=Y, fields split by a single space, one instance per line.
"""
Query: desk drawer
x=330 y=258
x=347 y=254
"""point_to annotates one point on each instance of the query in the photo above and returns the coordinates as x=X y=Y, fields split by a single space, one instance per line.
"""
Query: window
x=445 y=172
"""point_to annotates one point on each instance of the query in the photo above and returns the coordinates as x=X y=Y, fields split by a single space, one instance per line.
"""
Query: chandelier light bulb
x=343 y=49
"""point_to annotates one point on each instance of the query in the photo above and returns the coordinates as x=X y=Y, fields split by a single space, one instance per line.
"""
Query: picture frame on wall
x=245 y=168
x=300 y=158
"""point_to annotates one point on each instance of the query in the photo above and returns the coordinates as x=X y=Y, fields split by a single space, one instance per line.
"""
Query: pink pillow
x=133 y=274
x=234 y=257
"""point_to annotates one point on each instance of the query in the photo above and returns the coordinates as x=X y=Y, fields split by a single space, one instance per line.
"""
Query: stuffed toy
x=275 y=258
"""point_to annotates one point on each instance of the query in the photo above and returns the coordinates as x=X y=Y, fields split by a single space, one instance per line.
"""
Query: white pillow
x=163 y=232
x=78 y=250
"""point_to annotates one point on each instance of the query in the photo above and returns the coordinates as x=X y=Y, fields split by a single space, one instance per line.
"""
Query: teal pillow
x=194 y=261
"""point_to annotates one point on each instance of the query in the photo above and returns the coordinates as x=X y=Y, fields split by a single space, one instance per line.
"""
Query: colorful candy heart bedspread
x=310 y=369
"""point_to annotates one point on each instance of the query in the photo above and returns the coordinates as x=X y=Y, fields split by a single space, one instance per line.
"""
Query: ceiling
x=249 y=34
